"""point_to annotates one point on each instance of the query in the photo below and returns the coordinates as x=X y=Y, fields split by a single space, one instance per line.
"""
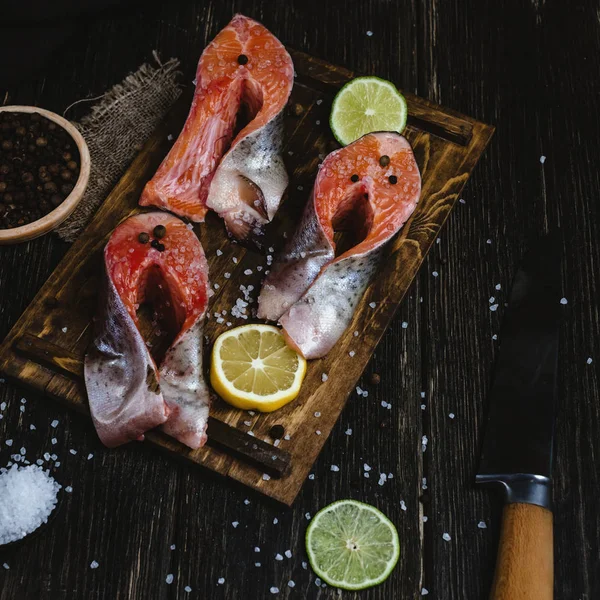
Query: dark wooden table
x=531 y=69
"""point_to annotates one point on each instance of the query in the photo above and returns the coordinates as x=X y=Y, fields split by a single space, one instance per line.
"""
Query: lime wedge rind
x=358 y=564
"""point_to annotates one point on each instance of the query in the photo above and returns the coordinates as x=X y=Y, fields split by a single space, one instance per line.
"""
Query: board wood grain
x=447 y=146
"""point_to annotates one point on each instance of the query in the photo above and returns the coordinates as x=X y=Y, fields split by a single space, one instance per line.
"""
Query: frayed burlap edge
x=115 y=130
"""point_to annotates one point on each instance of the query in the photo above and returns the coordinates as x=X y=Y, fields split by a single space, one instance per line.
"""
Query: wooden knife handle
x=525 y=563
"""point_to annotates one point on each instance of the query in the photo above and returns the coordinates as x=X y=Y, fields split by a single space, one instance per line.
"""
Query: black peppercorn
x=242 y=59
x=66 y=175
x=143 y=237
x=160 y=231
x=384 y=161
x=375 y=378
x=27 y=177
x=276 y=432
x=72 y=165
x=41 y=142
x=66 y=188
x=55 y=199
x=354 y=178
x=393 y=179
x=7 y=145
x=50 y=186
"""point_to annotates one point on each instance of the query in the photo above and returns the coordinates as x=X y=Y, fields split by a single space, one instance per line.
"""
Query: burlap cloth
x=115 y=130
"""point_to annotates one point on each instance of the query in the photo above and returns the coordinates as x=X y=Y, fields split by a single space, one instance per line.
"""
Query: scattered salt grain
x=318 y=432
x=488 y=241
x=248 y=272
x=423 y=406
x=266 y=477
x=187 y=588
x=257 y=564
x=435 y=274
x=172 y=546
x=404 y=325
x=291 y=584
x=324 y=377
x=424 y=484
x=219 y=252
x=589 y=361
x=5 y=565
x=372 y=304
x=424 y=442
x=311 y=476
x=235 y=524
x=446 y=537
x=403 y=505
x=498 y=286
x=64 y=330
x=235 y=260
x=542 y=159
x=348 y=431
x=73 y=452
x=334 y=468
x=170 y=137
x=564 y=301
x=494 y=307
x=425 y=518
x=256 y=549
x=288 y=553
x=94 y=565
x=32 y=427
x=451 y=415
x=54 y=423
x=422 y=394
x=53 y=441
x=482 y=525
x=462 y=200
x=351 y=353
x=424 y=591
x=220 y=581
x=366 y=467
x=9 y=442
x=382 y=478
x=495 y=337
x=246 y=501
x=369 y=33
x=28 y=497
x=287 y=437
x=90 y=456
x=307 y=517
x=278 y=557
x=317 y=414
x=274 y=590
x=275 y=521
x=492 y=300
x=68 y=489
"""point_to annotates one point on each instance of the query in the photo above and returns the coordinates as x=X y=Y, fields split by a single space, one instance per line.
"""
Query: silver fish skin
x=184 y=388
x=120 y=376
x=312 y=293
x=249 y=183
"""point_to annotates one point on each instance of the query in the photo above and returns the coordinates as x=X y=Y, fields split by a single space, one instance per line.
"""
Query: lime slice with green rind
x=364 y=105
x=352 y=545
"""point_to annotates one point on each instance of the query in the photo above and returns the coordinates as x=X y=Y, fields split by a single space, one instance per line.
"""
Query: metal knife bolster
x=523 y=488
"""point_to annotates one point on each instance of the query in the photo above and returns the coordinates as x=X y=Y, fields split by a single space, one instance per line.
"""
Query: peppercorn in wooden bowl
x=44 y=171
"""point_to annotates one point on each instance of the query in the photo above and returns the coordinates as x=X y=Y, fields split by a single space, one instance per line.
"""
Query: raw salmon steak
x=370 y=187
x=128 y=393
x=244 y=75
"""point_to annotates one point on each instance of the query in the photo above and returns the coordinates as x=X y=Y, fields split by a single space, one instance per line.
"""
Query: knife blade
x=517 y=448
x=517 y=451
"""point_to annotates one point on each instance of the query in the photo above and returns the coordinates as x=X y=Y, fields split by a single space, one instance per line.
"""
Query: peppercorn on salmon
x=371 y=187
x=245 y=69
x=151 y=257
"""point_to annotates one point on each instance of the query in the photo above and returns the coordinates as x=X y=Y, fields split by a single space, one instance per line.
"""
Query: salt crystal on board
x=482 y=525
x=403 y=505
x=278 y=557
x=324 y=377
x=187 y=588
x=369 y=33
x=94 y=565
x=542 y=159
x=564 y=301
x=334 y=468
x=288 y=553
x=275 y=521
x=589 y=361
x=54 y=423
x=220 y=581
x=424 y=591
x=274 y=590
x=446 y=537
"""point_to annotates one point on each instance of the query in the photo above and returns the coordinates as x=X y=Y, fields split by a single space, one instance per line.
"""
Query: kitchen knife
x=517 y=449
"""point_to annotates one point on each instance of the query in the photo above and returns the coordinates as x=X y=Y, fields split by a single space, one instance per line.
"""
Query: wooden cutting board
x=45 y=348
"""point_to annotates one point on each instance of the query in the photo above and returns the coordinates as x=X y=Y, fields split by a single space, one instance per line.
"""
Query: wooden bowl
x=54 y=218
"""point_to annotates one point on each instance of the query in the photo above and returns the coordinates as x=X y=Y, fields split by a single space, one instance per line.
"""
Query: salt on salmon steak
x=371 y=187
x=245 y=75
x=151 y=257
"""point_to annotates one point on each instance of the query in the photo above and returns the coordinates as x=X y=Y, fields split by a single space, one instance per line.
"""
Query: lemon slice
x=352 y=545
x=364 y=105
x=252 y=368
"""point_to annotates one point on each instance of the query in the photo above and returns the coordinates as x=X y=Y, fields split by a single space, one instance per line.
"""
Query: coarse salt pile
x=27 y=497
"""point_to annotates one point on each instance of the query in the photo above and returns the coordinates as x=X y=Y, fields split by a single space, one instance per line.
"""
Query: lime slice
x=364 y=105
x=352 y=545
x=252 y=368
